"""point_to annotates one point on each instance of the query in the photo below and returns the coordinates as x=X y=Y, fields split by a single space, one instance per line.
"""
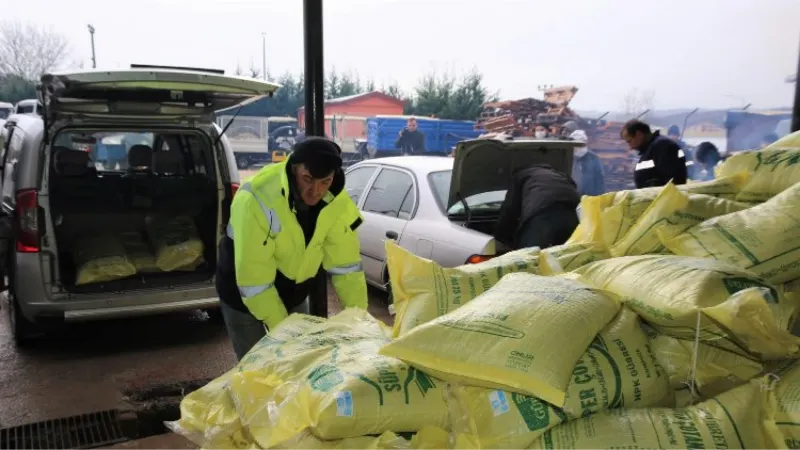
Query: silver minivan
x=113 y=155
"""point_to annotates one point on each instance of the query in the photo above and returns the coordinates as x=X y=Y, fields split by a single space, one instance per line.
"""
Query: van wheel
x=23 y=330
x=242 y=162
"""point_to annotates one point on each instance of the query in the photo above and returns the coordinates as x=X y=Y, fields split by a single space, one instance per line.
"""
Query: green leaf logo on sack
x=776 y=159
x=324 y=378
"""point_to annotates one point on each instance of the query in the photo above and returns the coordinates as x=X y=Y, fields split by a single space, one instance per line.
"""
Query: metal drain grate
x=91 y=430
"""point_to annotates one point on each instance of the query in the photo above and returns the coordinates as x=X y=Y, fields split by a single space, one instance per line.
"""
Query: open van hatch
x=148 y=92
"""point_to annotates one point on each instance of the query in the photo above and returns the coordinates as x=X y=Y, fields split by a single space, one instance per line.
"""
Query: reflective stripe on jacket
x=268 y=238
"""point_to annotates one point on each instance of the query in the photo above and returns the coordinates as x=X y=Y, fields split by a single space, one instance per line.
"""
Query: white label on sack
x=344 y=404
x=649 y=164
x=499 y=402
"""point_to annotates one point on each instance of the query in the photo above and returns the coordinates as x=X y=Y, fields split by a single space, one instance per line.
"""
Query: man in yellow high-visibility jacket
x=286 y=221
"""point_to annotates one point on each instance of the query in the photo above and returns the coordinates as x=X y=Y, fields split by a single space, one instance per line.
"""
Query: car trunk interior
x=152 y=210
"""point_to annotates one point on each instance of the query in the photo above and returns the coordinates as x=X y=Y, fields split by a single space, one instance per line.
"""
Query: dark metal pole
x=796 y=109
x=315 y=117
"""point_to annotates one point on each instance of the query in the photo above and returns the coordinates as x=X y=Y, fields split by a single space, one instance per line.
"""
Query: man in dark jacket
x=660 y=158
x=539 y=208
x=411 y=141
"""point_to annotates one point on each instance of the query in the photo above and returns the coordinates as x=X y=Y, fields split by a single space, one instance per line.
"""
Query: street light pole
x=91 y=35
x=264 y=55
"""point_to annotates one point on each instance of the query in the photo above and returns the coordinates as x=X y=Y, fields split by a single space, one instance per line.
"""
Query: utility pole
x=91 y=35
x=264 y=55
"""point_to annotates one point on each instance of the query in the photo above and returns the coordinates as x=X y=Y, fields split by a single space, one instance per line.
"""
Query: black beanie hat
x=320 y=156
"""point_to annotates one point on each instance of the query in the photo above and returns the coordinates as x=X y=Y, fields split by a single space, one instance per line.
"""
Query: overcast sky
x=706 y=53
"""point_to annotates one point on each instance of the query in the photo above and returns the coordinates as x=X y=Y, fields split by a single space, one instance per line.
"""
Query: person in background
x=660 y=158
x=286 y=221
x=301 y=135
x=708 y=158
x=540 y=132
x=587 y=169
x=568 y=128
x=768 y=140
x=674 y=133
x=539 y=209
x=410 y=140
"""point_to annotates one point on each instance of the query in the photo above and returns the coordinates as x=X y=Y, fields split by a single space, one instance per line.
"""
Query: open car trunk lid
x=486 y=165
x=147 y=93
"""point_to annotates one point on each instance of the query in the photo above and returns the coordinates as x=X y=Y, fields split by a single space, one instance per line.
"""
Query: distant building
x=349 y=113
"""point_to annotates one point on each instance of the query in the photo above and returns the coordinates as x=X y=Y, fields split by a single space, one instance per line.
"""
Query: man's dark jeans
x=552 y=226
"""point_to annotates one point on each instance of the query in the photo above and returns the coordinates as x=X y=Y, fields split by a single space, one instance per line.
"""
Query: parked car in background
x=68 y=214
x=442 y=208
x=30 y=106
x=6 y=109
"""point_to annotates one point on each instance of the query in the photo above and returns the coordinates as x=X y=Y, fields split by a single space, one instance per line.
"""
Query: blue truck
x=441 y=135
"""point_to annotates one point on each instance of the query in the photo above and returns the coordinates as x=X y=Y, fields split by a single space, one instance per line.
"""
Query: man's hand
x=400 y=134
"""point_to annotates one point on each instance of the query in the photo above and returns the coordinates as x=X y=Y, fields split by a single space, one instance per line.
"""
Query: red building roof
x=359 y=97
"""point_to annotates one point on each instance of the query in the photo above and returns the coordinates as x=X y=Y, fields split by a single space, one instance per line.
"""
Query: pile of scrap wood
x=525 y=114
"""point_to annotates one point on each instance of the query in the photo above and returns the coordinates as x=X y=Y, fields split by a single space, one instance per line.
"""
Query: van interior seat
x=168 y=163
x=140 y=159
x=72 y=163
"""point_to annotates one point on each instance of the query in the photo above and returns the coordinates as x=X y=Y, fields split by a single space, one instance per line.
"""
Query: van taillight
x=234 y=188
x=28 y=221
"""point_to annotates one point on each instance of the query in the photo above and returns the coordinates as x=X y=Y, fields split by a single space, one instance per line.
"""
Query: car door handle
x=392 y=234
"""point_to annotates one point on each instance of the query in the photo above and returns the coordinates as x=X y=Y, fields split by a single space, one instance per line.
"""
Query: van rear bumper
x=117 y=312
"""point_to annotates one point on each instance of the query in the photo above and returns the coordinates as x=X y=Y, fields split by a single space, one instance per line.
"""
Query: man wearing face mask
x=587 y=169
x=540 y=132
x=660 y=158
x=286 y=221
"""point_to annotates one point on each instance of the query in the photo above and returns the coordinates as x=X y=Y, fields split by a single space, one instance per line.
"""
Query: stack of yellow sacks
x=665 y=322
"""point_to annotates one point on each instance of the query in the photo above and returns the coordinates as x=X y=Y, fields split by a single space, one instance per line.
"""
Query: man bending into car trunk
x=286 y=221
x=539 y=209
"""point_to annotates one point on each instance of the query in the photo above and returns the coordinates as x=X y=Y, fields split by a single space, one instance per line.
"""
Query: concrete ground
x=88 y=366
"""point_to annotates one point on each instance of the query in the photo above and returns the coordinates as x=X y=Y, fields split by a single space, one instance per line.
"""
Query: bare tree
x=238 y=72
x=29 y=51
x=255 y=72
x=636 y=102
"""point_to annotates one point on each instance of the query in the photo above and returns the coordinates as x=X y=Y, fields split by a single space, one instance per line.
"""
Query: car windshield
x=485 y=201
x=4 y=113
x=25 y=109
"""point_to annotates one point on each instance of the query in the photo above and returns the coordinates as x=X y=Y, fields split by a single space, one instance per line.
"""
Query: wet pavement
x=88 y=366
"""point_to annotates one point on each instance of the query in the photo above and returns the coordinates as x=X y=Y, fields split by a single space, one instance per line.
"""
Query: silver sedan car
x=441 y=208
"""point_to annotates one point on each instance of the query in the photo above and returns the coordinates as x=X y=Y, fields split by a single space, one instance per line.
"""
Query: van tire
x=23 y=330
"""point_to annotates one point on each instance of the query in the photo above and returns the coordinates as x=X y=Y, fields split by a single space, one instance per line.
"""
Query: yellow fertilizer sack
x=714 y=365
x=507 y=337
x=386 y=441
x=338 y=387
x=175 y=240
x=617 y=370
x=764 y=239
x=790 y=141
x=737 y=311
x=738 y=419
x=431 y=438
x=101 y=258
x=568 y=257
x=139 y=252
x=772 y=170
x=609 y=217
x=423 y=290
x=788 y=394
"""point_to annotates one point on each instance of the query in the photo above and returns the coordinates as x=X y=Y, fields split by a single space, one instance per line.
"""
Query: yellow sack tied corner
x=738 y=419
x=608 y=218
x=423 y=290
x=716 y=370
x=568 y=257
x=507 y=337
x=101 y=258
x=788 y=395
x=764 y=239
x=340 y=387
x=618 y=370
x=773 y=170
x=736 y=310
x=175 y=240
x=208 y=415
